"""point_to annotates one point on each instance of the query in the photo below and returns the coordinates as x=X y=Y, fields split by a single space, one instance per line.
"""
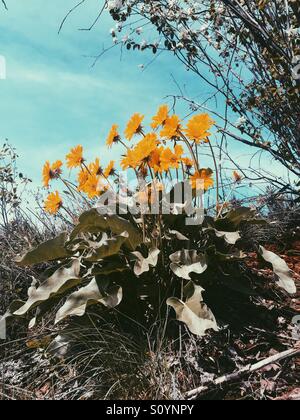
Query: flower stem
x=191 y=151
x=217 y=174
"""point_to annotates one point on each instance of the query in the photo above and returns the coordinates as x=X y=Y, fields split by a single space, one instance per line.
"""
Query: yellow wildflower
x=141 y=154
x=129 y=160
x=82 y=178
x=161 y=117
x=53 y=203
x=110 y=170
x=95 y=167
x=155 y=160
x=92 y=186
x=171 y=127
x=75 y=157
x=145 y=147
x=113 y=136
x=198 y=126
x=188 y=163
x=51 y=172
x=170 y=159
x=134 y=126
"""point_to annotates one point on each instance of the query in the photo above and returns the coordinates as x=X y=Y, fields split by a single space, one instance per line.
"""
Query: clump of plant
x=15 y=229
x=12 y=185
x=160 y=253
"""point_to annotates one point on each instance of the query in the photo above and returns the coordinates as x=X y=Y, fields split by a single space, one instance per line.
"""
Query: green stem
x=196 y=163
x=68 y=212
x=217 y=174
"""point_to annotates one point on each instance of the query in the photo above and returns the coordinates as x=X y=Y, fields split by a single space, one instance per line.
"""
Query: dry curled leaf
x=283 y=274
x=185 y=262
x=51 y=250
x=142 y=265
x=230 y=237
x=106 y=247
x=193 y=312
x=63 y=279
x=78 y=302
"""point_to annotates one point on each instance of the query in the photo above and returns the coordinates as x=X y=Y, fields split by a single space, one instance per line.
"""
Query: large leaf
x=177 y=235
x=109 y=266
x=42 y=309
x=233 y=219
x=79 y=301
x=119 y=225
x=142 y=265
x=230 y=237
x=283 y=274
x=62 y=280
x=51 y=250
x=106 y=247
x=187 y=261
x=93 y=222
x=216 y=257
x=90 y=222
x=236 y=216
x=193 y=312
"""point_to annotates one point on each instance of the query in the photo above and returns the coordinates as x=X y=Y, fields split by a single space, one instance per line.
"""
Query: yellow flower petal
x=75 y=158
x=53 y=203
x=161 y=117
x=198 y=126
x=134 y=126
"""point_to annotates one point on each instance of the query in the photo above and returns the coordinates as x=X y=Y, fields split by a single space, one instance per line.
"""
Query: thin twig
x=242 y=372
x=68 y=14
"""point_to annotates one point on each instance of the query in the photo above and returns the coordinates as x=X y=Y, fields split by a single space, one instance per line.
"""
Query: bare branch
x=69 y=13
x=244 y=371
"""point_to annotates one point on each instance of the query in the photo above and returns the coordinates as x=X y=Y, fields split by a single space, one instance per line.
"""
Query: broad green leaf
x=89 y=222
x=185 y=262
x=283 y=274
x=142 y=265
x=61 y=281
x=107 y=267
x=193 y=312
x=79 y=301
x=215 y=256
x=51 y=250
x=232 y=256
x=118 y=225
x=78 y=244
x=233 y=219
x=236 y=216
x=93 y=222
x=106 y=248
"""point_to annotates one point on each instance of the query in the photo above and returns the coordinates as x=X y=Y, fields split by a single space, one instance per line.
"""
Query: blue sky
x=54 y=99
